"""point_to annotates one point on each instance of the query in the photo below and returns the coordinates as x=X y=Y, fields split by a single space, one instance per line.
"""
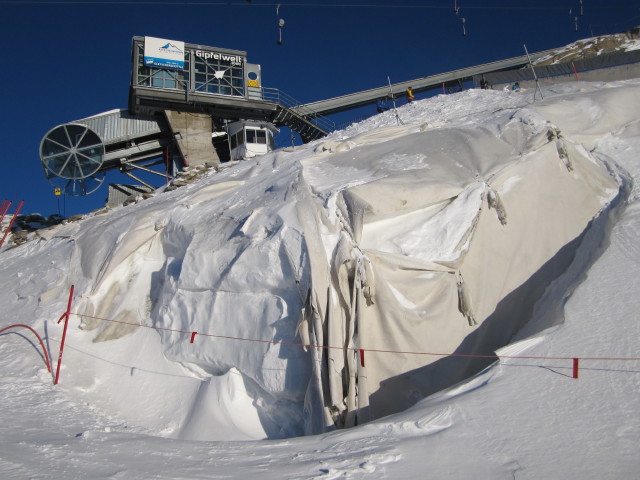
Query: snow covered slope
x=593 y=47
x=233 y=256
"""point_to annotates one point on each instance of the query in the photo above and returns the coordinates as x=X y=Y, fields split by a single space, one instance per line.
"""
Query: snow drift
x=438 y=236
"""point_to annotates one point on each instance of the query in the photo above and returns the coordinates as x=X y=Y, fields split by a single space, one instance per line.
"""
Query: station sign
x=232 y=59
x=162 y=53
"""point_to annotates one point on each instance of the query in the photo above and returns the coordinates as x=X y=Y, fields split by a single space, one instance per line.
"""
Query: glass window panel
x=232 y=82
x=59 y=135
x=73 y=168
x=251 y=136
x=76 y=133
x=56 y=163
x=50 y=147
x=261 y=137
x=89 y=140
x=89 y=159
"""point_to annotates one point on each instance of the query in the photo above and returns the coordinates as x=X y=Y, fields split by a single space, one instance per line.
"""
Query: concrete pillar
x=192 y=131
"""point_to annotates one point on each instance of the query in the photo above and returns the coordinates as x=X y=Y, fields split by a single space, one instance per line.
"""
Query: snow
x=606 y=44
x=138 y=402
x=633 y=44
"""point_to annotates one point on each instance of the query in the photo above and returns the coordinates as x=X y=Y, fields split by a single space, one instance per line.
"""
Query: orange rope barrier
x=358 y=349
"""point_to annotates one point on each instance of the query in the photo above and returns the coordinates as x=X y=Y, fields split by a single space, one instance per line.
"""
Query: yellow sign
x=56 y=191
x=253 y=83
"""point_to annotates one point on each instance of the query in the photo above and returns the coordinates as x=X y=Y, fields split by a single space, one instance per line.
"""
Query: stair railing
x=287 y=101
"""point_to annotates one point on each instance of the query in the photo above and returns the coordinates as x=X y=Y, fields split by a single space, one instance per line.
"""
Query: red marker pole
x=64 y=334
x=193 y=336
x=576 y=362
x=575 y=72
x=13 y=219
x=4 y=209
x=362 y=357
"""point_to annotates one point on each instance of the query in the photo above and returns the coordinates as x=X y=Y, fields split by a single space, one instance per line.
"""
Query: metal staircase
x=289 y=113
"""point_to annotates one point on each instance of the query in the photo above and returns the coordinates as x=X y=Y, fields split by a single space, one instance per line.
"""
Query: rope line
x=356 y=349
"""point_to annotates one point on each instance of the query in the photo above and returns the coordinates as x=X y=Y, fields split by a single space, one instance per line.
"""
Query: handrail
x=272 y=95
x=276 y=95
x=367 y=97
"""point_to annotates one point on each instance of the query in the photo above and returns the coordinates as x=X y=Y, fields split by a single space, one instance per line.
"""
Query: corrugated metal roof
x=119 y=125
x=119 y=193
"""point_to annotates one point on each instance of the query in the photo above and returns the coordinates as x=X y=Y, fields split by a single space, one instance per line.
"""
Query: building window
x=218 y=76
x=215 y=76
x=161 y=77
x=256 y=136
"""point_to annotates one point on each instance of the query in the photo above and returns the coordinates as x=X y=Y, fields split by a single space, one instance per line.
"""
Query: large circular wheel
x=72 y=151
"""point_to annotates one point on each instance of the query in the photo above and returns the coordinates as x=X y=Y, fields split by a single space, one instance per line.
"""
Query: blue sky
x=63 y=61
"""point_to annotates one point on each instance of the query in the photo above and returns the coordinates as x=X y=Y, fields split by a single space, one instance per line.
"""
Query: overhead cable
x=246 y=3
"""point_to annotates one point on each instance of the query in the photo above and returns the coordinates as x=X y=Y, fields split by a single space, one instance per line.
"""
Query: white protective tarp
x=399 y=241
x=448 y=255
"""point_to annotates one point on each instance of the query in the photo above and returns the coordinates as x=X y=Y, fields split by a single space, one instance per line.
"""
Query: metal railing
x=287 y=101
